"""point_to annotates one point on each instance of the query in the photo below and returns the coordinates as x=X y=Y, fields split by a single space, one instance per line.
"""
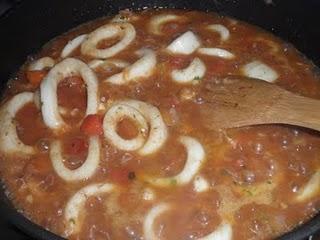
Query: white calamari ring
x=157 y=131
x=259 y=70
x=216 y=52
x=222 y=30
x=76 y=204
x=41 y=63
x=85 y=171
x=187 y=43
x=200 y=184
x=142 y=68
x=9 y=140
x=223 y=232
x=195 y=158
x=150 y=218
x=94 y=64
x=125 y=31
x=310 y=189
x=73 y=45
x=195 y=70
x=156 y=22
x=111 y=119
x=48 y=90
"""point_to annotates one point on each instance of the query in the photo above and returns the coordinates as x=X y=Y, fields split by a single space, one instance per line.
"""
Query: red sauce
x=253 y=174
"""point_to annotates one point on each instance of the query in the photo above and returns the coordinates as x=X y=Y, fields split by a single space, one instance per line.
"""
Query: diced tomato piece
x=77 y=146
x=35 y=77
x=92 y=125
x=120 y=175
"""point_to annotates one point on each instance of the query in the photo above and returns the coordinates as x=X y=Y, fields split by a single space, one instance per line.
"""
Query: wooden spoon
x=239 y=101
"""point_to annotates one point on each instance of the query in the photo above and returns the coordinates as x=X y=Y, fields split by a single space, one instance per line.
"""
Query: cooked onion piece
x=310 y=189
x=9 y=140
x=48 y=90
x=157 y=130
x=142 y=68
x=257 y=69
x=151 y=216
x=187 y=43
x=200 y=184
x=223 y=232
x=76 y=204
x=41 y=63
x=156 y=22
x=73 y=45
x=94 y=64
x=195 y=70
x=195 y=158
x=85 y=171
x=125 y=31
x=216 y=52
x=222 y=30
x=115 y=114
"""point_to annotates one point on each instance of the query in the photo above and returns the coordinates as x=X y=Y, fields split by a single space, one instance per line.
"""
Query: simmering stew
x=101 y=133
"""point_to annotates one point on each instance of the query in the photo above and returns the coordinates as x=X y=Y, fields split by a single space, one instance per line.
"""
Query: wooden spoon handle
x=297 y=110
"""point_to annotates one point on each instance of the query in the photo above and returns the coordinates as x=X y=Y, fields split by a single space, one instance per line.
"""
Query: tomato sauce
x=253 y=174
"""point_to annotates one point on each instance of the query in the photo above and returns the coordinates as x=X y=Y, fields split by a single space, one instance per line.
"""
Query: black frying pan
x=26 y=26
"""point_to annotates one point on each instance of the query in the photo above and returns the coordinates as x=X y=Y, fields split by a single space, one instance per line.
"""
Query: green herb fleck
x=249 y=192
x=173 y=181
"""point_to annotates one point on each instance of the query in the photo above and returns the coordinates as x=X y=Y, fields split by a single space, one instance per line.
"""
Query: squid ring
x=73 y=45
x=196 y=70
x=157 y=21
x=125 y=31
x=116 y=113
x=85 y=171
x=151 y=216
x=187 y=43
x=223 y=232
x=48 y=90
x=157 y=130
x=9 y=140
x=142 y=68
x=310 y=189
x=222 y=30
x=76 y=204
x=41 y=63
x=195 y=158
